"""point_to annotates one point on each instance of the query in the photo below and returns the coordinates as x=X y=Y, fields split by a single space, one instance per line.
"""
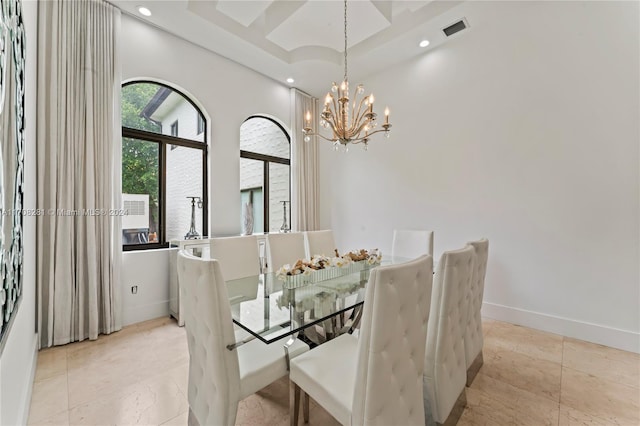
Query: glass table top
x=265 y=308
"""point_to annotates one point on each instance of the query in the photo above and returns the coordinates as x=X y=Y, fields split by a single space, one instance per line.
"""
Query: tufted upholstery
x=473 y=331
x=320 y=242
x=238 y=256
x=445 y=371
x=376 y=379
x=411 y=244
x=218 y=377
x=284 y=249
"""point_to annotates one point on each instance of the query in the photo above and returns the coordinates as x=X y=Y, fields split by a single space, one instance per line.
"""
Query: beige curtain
x=305 y=192
x=78 y=180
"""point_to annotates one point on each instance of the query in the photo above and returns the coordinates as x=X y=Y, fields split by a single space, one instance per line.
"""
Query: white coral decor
x=341 y=262
x=374 y=257
x=283 y=271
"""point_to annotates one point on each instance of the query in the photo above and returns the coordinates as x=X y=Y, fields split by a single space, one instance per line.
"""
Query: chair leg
x=294 y=403
x=473 y=369
x=305 y=407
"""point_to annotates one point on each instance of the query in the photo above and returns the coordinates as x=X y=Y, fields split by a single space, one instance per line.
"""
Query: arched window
x=265 y=173
x=164 y=166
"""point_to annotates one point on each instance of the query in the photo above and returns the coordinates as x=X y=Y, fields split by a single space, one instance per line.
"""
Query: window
x=200 y=124
x=265 y=152
x=163 y=166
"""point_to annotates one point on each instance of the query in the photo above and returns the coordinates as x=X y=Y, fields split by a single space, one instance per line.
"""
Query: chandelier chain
x=345 y=40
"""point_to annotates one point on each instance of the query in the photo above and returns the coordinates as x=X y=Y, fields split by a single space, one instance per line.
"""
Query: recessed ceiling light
x=144 y=11
x=290 y=80
x=424 y=43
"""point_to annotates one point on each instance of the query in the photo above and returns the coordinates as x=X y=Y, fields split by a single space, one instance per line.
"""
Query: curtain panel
x=305 y=191
x=78 y=178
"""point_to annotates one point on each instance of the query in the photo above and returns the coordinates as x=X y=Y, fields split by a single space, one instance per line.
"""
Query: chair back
x=214 y=375
x=473 y=340
x=411 y=244
x=238 y=256
x=284 y=249
x=445 y=372
x=320 y=242
x=391 y=346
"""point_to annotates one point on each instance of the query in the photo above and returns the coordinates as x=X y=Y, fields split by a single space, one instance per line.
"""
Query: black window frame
x=163 y=142
x=267 y=159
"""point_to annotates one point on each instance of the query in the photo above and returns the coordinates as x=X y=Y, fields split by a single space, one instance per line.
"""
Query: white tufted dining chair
x=445 y=371
x=375 y=379
x=218 y=377
x=473 y=339
x=411 y=244
x=286 y=248
x=320 y=242
x=238 y=256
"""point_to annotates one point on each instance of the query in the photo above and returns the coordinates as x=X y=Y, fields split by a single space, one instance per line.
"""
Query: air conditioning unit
x=135 y=223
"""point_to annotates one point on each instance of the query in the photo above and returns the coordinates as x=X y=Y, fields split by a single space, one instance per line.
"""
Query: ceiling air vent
x=455 y=27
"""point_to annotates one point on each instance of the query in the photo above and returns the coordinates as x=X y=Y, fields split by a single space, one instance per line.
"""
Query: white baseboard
x=135 y=314
x=608 y=336
x=26 y=398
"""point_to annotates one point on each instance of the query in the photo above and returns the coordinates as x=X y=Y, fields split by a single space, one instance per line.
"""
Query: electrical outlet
x=134 y=289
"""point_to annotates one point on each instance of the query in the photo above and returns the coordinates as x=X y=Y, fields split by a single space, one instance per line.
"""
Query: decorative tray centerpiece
x=322 y=268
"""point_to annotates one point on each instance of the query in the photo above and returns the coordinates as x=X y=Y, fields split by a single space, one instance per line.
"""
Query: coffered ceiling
x=304 y=39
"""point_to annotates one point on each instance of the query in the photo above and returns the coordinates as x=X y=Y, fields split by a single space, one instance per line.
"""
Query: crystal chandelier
x=350 y=121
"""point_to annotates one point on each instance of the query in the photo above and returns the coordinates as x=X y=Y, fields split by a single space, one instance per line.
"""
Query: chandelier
x=351 y=121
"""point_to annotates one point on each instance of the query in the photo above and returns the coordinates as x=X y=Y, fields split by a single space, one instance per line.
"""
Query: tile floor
x=139 y=376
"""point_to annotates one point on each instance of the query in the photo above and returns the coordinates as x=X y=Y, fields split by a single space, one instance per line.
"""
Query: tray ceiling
x=304 y=39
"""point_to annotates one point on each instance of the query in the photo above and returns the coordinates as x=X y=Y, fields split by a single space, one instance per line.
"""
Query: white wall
x=149 y=271
x=525 y=130
x=227 y=93
x=18 y=361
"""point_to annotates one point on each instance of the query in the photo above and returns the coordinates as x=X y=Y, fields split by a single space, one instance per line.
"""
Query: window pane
x=251 y=180
x=278 y=197
x=156 y=108
x=257 y=207
x=263 y=136
x=140 y=189
x=184 y=179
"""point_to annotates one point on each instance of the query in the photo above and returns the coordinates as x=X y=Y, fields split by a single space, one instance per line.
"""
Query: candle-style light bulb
x=386 y=115
x=308 y=118
x=327 y=100
x=371 y=99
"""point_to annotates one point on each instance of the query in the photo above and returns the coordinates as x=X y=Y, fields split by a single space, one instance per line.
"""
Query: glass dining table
x=268 y=310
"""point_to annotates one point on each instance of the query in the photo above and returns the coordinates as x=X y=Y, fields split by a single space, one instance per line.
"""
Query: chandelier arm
x=332 y=121
x=334 y=116
x=325 y=138
x=335 y=106
x=358 y=117
x=377 y=131
x=354 y=102
x=355 y=115
x=321 y=136
x=359 y=130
